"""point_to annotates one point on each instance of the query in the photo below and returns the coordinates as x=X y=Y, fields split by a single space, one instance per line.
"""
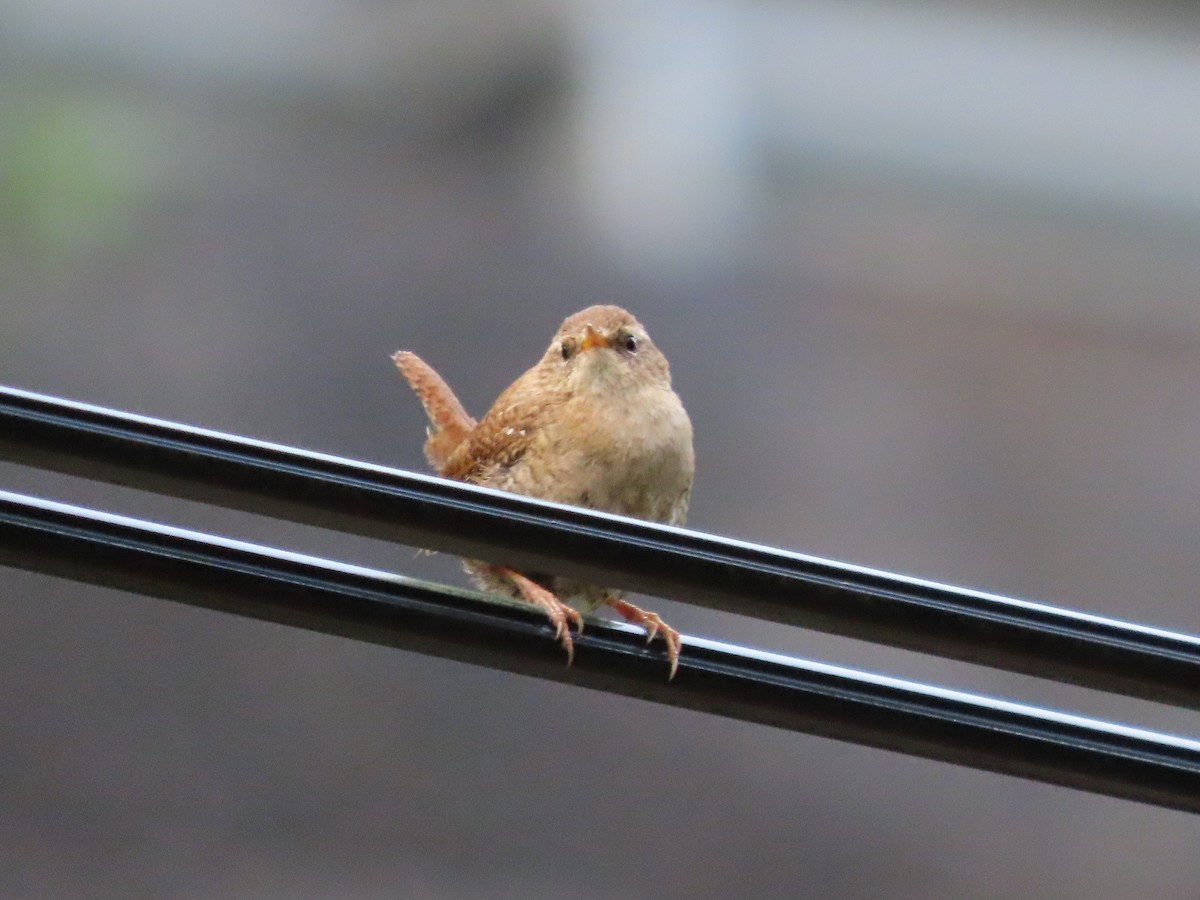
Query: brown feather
x=504 y=433
x=449 y=422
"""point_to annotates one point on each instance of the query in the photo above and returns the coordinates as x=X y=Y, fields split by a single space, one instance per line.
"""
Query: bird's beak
x=591 y=338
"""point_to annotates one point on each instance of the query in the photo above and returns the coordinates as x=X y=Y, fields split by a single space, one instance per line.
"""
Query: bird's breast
x=631 y=455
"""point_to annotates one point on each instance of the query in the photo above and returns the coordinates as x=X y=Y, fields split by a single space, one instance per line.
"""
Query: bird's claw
x=560 y=614
x=655 y=627
x=671 y=638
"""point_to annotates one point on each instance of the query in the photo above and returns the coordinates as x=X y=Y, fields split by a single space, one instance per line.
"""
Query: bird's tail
x=449 y=422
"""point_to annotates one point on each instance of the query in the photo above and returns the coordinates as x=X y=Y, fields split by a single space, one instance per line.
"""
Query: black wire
x=702 y=569
x=793 y=694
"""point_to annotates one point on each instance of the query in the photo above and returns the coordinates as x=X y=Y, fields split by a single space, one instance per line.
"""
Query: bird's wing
x=504 y=434
x=449 y=423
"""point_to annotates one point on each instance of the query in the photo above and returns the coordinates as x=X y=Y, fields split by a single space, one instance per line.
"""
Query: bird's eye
x=568 y=348
x=630 y=343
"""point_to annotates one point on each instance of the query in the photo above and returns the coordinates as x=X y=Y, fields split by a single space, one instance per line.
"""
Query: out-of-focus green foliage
x=73 y=175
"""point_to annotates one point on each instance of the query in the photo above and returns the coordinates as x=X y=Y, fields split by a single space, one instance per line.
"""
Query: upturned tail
x=449 y=422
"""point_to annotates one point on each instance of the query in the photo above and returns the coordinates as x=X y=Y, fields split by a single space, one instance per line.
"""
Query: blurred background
x=928 y=277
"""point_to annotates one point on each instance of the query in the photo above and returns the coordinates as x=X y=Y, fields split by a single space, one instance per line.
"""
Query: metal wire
x=793 y=694
x=719 y=573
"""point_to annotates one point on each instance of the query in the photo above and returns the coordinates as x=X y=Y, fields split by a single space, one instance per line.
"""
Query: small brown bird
x=595 y=423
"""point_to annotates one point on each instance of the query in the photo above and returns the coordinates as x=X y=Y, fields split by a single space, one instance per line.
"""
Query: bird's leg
x=653 y=624
x=559 y=613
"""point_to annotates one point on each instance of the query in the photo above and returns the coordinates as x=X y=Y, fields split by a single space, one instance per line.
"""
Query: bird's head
x=605 y=349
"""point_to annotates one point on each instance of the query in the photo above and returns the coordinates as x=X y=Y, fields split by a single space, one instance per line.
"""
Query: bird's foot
x=655 y=627
x=560 y=614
